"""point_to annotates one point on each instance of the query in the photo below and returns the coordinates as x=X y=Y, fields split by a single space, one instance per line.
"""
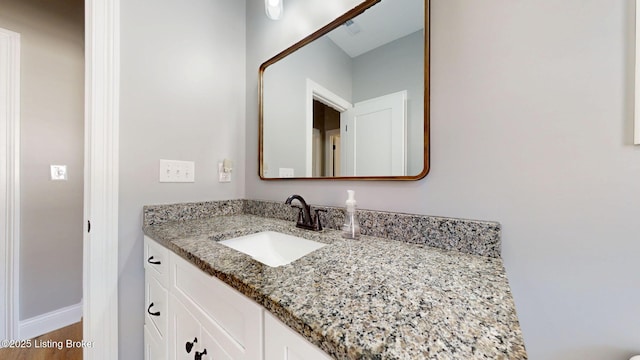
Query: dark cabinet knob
x=152 y=313
x=149 y=260
x=199 y=355
x=189 y=345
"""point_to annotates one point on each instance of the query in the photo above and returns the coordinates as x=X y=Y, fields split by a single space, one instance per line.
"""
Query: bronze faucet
x=305 y=219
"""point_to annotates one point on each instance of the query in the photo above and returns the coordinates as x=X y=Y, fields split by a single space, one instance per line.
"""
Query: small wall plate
x=58 y=172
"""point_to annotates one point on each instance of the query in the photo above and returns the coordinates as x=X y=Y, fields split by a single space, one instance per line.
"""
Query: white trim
x=100 y=275
x=10 y=182
x=636 y=117
x=54 y=320
x=318 y=92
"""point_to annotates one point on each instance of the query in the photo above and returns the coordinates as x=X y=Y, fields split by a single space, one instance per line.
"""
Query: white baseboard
x=50 y=321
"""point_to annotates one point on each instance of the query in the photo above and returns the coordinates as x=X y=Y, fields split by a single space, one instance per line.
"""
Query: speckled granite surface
x=371 y=298
x=469 y=236
x=159 y=214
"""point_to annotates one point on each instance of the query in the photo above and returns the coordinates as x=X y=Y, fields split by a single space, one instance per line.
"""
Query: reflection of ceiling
x=381 y=24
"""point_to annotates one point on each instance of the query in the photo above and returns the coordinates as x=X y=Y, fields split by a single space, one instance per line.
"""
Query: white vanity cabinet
x=230 y=319
x=191 y=338
x=156 y=265
x=282 y=343
x=201 y=317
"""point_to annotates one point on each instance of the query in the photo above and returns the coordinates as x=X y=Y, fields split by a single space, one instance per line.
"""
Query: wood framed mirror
x=351 y=100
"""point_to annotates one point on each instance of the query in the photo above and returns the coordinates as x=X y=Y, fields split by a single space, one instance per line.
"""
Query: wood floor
x=51 y=346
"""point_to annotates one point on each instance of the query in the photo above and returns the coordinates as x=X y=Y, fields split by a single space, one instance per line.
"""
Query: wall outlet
x=285 y=173
x=223 y=177
x=177 y=171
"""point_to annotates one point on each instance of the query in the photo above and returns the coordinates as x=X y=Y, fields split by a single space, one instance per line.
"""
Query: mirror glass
x=351 y=100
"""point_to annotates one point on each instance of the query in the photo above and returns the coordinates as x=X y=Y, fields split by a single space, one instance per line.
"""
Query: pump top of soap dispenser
x=351 y=227
x=351 y=200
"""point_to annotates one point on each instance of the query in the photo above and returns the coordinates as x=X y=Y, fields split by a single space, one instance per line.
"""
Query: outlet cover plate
x=223 y=177
x=285 y=172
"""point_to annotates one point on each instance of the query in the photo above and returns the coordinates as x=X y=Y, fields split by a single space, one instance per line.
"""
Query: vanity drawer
x=239 y=318
x=156 y=259
x=156 y=306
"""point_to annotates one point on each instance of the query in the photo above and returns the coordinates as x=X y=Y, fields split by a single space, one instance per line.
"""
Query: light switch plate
x=59 y=172
x=177 y=171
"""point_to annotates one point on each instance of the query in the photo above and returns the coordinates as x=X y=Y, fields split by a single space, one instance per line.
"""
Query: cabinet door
x=213 y=348
x=282 y=343
x=191 y=338
x=185 y=332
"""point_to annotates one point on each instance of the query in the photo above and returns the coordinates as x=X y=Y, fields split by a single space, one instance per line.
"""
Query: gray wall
x=393 y=67
x=52 y=121
x=182 y=98
x=531 y=125
x=285 y=100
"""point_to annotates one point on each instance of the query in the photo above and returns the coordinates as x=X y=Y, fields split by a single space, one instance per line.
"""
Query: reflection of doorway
x=326 y=128
x=371 y=140
x=319 y=99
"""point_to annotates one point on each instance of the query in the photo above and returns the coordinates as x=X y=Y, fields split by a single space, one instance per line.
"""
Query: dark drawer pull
x=152 y=313
x=153 y=262
x=189 y=345
x=199 y=355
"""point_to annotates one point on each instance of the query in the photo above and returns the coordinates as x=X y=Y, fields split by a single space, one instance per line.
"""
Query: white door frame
x=10 y=182
x=636 y=115
x=100 y=259
x=318 y=92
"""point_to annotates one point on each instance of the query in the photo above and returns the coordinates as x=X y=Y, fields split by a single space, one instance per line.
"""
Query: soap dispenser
x=351 y=227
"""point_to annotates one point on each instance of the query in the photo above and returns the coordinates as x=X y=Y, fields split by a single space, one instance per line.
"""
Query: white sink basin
x=273 y=248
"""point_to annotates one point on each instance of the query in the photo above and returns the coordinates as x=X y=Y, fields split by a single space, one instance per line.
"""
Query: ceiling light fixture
x=273 y=8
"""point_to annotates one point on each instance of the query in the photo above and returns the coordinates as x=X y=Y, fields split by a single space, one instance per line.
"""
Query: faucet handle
x=317 y=225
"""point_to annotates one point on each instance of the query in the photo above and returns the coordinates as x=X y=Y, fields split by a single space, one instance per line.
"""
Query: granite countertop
x=370 y=298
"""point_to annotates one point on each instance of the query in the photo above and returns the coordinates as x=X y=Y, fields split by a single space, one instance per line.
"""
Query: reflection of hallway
x=326 y=140
x=53 y=339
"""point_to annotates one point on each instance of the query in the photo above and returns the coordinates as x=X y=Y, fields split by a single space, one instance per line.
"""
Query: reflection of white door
x=374 y=137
